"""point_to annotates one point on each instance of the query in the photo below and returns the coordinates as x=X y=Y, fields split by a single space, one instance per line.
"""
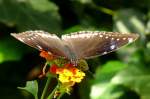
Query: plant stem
x=60 y=95
x=46 y=87
x=104 y=10
x=52 y=93
x=36 y=97
x=44 y=68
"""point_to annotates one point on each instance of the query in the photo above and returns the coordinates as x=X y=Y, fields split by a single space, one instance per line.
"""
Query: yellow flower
x=68 y=75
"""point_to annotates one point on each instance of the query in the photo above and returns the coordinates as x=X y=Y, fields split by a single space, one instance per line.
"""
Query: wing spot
x=112 y=38
x=124 y=38
x=21 y=39
x=100 y=35
x=112 y=47
x=39 y=47
x=104 y=53
x=118 y=39
x=130 y=40
x=109 y=35
x=106 y=37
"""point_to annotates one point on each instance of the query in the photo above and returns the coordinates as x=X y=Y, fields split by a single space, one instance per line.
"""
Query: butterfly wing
x=88 y=44
x=42 y=41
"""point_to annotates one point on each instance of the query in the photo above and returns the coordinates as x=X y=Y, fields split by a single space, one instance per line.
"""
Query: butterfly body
x=77 y=45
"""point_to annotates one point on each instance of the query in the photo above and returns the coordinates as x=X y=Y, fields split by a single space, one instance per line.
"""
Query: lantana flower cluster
x=67 y=73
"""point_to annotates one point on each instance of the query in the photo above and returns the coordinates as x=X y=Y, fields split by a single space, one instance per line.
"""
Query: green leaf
x=105 y=91
x=30 y=14
x=129 y=21
x=107 y=71
x=11 y=50
x=32 y=87
x=129 y=54
x=85 y=1
x=136 y=78
x=103 y=88
x=148 y=24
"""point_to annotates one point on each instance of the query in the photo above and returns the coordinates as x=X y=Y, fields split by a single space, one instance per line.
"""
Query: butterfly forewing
x=42 y=41
x=88 y=44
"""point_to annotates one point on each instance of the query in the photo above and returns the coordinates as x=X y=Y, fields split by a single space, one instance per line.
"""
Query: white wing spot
x=39 y=46
x=130 y=40
x=49 y=53
x=104 y=53
x=109 y=35
x=112 y=47
x=106 y=37
x=21 y=39
x=100 y=35
x=117 y=39
x=124 y=38
x=112 y=38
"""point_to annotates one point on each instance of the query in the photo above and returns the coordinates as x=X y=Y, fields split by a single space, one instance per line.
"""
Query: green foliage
x=103 y=87
x=32 y=87
x=129 y=20
x=30 y=14
x=136 y=78
x=8 y=52
x=121 y=75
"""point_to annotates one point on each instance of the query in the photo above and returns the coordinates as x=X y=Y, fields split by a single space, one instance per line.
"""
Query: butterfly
x=76 y=45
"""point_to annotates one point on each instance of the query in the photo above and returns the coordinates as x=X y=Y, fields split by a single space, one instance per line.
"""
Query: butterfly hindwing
x=42 y=41
x=88 y=44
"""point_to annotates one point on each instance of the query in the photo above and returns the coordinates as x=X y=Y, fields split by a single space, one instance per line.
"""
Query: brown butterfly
x=77 y=45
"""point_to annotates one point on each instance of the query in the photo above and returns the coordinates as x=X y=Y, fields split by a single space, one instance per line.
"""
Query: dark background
x=124 y=74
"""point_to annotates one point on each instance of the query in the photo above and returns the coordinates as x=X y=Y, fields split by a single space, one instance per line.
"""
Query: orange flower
x=53 y=69
x=46 y=55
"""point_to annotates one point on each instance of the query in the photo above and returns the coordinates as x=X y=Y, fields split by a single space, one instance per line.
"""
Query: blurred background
x=124 y=74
